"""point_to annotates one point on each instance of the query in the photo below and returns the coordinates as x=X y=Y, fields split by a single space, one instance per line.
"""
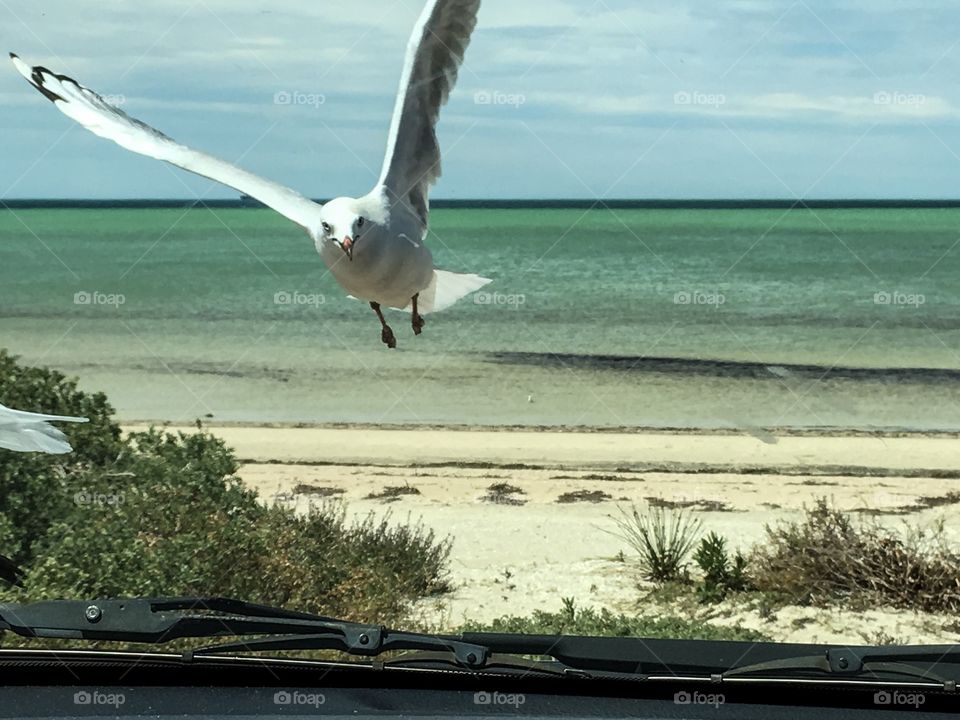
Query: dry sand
x=515 y=558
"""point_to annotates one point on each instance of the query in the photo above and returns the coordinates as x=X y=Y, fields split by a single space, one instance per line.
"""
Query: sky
x=556 y=98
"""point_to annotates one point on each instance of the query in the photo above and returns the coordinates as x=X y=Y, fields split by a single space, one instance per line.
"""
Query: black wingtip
x=38 y=82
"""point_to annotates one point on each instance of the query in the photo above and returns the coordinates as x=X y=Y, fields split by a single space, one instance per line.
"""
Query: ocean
x=618 y=316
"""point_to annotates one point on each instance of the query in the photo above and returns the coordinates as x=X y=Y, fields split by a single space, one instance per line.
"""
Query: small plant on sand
x=392 y=493
x=593 y=496
x=504 y=494
x=720 y=575
x=662 y=537
x=318 y=490
x=825 y=557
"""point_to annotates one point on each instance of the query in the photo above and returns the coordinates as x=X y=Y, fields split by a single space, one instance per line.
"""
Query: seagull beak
x=347 y=246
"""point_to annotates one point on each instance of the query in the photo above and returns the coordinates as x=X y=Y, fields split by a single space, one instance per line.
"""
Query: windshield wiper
x=160 y=620
x=722 y=661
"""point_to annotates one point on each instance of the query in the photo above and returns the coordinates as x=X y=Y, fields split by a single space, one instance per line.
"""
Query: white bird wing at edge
x=101 y=118
x=434 y=54
x=11 y=415
x=34 y=437
x=32 y=432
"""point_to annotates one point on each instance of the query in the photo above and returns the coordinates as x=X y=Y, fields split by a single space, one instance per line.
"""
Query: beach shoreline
x=692 y=452
x=553 y=535
x=776 y=432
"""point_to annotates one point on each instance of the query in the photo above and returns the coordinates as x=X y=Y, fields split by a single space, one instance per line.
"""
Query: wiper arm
x=159 y=620
x=725 y=660
x=861 y=663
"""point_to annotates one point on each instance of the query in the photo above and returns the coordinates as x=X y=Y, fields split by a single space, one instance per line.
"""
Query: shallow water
x=228 y=312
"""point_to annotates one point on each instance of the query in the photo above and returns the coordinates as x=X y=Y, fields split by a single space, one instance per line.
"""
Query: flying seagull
x=373 y=245
x=32 y=432
x=10 y=571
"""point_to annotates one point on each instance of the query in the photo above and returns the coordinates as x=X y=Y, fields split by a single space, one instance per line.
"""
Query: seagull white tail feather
x=446 y=288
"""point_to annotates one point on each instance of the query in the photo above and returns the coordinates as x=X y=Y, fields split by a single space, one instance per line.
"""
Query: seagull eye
x=326 y=227
x=360 y=222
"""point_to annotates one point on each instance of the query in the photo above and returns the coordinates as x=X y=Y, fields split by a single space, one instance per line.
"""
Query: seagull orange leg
x=416 y=318
x=386 y=334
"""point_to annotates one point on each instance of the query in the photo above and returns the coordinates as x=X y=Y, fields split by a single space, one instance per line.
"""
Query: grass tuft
x=663 y=538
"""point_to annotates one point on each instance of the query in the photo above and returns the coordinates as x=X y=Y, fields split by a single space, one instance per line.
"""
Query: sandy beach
x=553 y=537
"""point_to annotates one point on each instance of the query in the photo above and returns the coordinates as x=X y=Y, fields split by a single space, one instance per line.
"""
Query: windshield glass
x=671 y=349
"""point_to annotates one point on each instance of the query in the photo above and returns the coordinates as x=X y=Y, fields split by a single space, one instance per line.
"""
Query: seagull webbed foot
x=386 y=335
x=416 y=319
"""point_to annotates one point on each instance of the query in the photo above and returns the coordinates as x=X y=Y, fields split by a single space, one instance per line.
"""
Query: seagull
x=32 y=432
x=373 y=245
x=10 y=571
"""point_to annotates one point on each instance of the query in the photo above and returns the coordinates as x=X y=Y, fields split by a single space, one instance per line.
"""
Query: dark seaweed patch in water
x=721 y=368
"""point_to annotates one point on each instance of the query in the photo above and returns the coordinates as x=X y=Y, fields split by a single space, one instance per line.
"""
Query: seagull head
x=343 y=223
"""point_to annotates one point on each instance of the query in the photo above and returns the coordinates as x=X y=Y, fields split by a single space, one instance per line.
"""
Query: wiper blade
x=160 y=620
x=912 y=663
x=723 y=660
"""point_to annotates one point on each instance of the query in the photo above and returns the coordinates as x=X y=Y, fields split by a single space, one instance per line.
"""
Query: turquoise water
x=682 y=317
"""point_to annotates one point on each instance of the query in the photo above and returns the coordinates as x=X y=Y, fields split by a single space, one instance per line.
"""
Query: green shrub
x=662 y=538
x=33 y=485
x=720 y=576
x=587 y=621
x=162 y=514
x=825 y=558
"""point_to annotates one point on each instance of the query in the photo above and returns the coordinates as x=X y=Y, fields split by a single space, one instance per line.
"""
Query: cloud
x=798 y=80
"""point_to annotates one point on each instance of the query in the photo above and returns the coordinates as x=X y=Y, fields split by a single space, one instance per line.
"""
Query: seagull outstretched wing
x=103 y=119
x=434 y=55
